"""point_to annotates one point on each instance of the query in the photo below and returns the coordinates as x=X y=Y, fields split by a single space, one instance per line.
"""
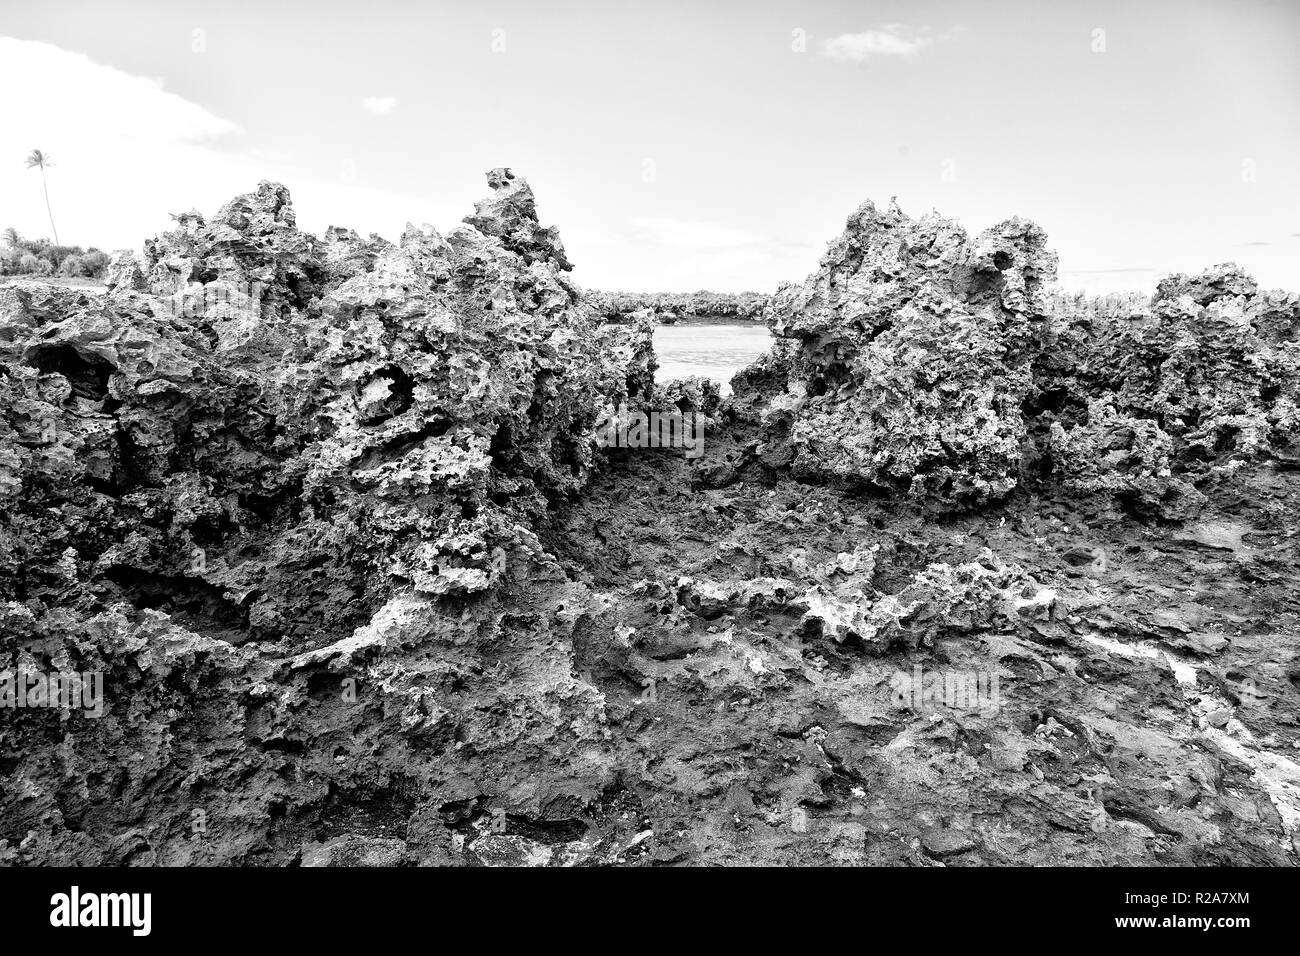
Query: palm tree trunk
x=49 y=211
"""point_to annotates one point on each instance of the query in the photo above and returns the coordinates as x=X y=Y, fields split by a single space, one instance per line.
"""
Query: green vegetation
x=40 y=257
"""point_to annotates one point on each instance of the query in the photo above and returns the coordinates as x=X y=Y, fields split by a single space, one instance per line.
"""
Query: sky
x=677 y=144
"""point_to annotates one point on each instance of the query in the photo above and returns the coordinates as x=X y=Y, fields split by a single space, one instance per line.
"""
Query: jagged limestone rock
x=510 y=214
x=914 y=345
x=1148 y=402
x=292 y=428
x=937 y=367
x=271 y=520
x=981 y=595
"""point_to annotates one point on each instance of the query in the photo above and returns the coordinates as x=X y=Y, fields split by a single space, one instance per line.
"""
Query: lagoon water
x=712 y=350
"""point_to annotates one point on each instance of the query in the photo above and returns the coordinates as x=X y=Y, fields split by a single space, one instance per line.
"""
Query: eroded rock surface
x=967 y=575
x=1153 y=403
x=939 y=367
x=915 y=351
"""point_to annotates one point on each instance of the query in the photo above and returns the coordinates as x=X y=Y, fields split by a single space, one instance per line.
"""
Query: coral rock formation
x=934 y=366
x=1151 y=402
x=915 y=345
x=331 y=519
x=260 y=439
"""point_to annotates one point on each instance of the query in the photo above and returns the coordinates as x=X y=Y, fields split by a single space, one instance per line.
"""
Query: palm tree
x=37 y=158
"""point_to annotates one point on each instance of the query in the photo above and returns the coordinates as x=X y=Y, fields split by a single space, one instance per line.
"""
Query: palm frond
x=38 y=158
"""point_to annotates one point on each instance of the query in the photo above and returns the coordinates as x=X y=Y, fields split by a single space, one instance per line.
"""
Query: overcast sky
x=677 y=145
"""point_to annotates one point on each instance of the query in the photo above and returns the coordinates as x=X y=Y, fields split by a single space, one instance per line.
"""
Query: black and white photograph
x=446 y=441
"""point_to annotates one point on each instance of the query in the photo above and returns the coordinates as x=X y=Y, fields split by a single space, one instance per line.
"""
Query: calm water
x=713 y=351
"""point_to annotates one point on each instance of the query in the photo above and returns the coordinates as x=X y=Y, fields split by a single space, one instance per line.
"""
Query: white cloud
x=63 y=101
x=130 y=141
x=890 y=39
x=134 y=153
x=379 y=105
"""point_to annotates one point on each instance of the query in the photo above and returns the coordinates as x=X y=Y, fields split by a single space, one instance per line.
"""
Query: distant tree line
x=1106 y=305
x=40 y=257
x=672 y=306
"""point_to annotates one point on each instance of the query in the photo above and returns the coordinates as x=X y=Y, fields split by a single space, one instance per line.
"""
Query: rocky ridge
x=329 y=516
x=928 y=364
